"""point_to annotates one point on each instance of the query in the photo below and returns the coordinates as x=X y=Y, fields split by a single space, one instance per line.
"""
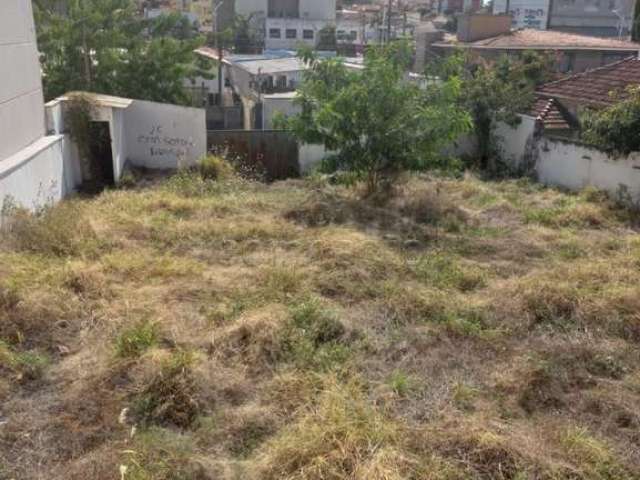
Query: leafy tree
x=615 y=129
x=103 y=46
x=376 y=121
x=494 y=92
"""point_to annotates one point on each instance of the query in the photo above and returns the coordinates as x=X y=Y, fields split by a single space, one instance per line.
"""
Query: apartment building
x=287 y=24
x=602 y=18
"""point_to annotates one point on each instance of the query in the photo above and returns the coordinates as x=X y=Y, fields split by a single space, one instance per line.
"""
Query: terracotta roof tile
x=595 y=87
x=529 y=38
x=550 y=114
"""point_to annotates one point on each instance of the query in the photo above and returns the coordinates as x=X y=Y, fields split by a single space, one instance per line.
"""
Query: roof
x=280 y=96
x=594 y=87
x=550 y=114
x=529 y=38
x=100 y=99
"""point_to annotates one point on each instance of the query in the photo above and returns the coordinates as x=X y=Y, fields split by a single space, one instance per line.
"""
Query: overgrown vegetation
x=205 y=326
x=105 y=46
x=613 y=129
x=377 y=123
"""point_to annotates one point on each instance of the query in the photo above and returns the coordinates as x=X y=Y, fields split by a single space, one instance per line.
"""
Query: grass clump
x=60 y=231
x=401 y=383
x=441 y=270
x=592 y=457
x=135 y=340
x=170 y=398
x=343 y=436
x=314 y=338
x=24 y=365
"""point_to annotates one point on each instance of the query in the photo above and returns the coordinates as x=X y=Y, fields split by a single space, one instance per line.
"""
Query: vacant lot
x=195 y=329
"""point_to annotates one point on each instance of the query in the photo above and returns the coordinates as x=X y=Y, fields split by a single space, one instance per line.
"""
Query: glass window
x=275 y=33
x=292 y=33
x=307 y=34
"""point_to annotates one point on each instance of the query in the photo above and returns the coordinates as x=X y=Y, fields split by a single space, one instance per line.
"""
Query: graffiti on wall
x=161 y=145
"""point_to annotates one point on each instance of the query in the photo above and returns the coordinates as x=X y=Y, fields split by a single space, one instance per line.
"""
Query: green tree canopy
x=104 y=46
x=615 y=129
x=494 y=92
x=376 y=121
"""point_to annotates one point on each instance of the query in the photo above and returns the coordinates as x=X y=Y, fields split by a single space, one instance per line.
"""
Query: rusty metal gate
x=276 y=151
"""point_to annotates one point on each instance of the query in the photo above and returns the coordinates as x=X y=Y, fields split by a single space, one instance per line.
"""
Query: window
x=275 y=33
x=292 y=33
x=307 y=34
x=353 y=35
x=212 y=99
x=281 y=82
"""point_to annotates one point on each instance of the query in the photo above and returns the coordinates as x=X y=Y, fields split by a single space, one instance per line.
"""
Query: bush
x=214 y=167
x=61 y=230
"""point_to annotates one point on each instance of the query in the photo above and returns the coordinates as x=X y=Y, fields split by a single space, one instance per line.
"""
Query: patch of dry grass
x=198 y=328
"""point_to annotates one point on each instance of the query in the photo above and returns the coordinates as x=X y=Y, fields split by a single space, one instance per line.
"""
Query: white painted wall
x=575 y=166
x=247 y=7
x=318 y=9
x=38 y=175
x=21 y=102
x=277 y=103
x=310 y=156
x=513 y=140
x=526 y=13
x=163 y=136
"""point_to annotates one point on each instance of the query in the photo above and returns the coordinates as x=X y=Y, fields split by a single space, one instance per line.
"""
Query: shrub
x=135 y=340
x=25 y=365
x=213 y=167
x=62 y=230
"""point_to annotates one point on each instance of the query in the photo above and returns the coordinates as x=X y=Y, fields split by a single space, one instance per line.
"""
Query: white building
x=289 y=23
x=31 y=162
x=39 y=162
x=525 y=13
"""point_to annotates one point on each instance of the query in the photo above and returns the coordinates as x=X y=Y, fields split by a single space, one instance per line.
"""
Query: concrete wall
x=525 y=13
x=41 y=174
x=274 y=104
x=481 y=26
x=576 y=166
x=162 y=136
x=297 y=24
x=516 y=142
x=21 y=102
x=591 y=17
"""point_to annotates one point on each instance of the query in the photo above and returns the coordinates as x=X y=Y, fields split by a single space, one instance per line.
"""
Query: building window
x=281 y=82
x=307 y=34
x=275 y=33
x=212 y=99
x=353 y=35
x=292 y=33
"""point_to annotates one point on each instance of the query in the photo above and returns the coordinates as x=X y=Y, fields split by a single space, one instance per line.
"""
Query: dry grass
x=195 y=328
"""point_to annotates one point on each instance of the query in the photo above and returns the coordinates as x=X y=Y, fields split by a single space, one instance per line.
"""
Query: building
x=574 y=53
x=610 y=18
x=286 y=24
x=32 y=166
x=596 y=88
x=524 y=13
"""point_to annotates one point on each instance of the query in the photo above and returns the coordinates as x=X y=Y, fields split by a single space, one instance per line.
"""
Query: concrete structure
x=142 y=134
x=479 y=27
x=611 y=18
x=32 y=165
x=574 y=53
x=524 y=13
x=286 y=24
x=278 y=104
x=567 y=163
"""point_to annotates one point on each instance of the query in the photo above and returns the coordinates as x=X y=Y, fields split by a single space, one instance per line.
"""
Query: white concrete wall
x=318 y=9
x=297 y=24
x=525 y=13
x=274 y=104
x=163 y=136
x=247 y=7
x=21 y=102
x=575 y=166
x=38 y=175
x=514 y=140
x=310 y=156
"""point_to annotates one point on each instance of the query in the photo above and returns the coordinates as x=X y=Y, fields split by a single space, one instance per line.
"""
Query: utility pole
x=389 y=21
x=218 y=45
